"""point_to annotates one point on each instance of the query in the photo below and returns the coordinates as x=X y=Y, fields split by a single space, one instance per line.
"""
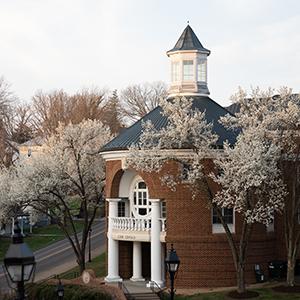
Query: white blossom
x=187 y=128
x=70 y=164
x=250 y=178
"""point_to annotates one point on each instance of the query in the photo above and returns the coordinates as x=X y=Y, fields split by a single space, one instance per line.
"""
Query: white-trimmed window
x=141 y=205
x=201 y=70
x=228 y=216
x=188 y=70
x=175 y=71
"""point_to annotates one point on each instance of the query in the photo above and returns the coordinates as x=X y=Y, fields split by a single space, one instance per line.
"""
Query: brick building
x=145 y=217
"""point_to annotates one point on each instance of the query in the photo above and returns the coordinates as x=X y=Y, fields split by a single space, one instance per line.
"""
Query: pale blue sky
x=70 y=44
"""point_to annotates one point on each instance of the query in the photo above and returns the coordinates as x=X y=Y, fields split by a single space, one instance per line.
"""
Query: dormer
x=188 y=66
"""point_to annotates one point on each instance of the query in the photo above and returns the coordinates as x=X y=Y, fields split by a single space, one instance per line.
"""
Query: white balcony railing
x=135 y=224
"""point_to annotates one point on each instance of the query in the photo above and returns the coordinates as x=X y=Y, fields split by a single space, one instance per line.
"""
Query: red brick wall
x=206 y=259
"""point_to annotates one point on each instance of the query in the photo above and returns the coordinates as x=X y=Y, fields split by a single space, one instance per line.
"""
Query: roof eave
x=202 y=51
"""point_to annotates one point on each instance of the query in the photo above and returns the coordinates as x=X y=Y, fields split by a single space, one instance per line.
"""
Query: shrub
x=72 y=292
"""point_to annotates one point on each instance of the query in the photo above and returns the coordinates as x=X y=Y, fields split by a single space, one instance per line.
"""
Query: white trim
x=170 y=53
x=218 y=228
x=113 y=199
x=155 y=200
x=114 y=155
x=186 y=94
x=122 y=154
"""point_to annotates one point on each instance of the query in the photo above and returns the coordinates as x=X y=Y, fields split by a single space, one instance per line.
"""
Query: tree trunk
x=290 y=277
x=81 y=261
x=241 y=286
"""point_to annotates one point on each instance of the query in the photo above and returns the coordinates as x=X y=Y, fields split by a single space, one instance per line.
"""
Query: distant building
x=31 y=147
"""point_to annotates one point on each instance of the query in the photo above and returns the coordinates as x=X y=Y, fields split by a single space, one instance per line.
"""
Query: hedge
x=71 y=292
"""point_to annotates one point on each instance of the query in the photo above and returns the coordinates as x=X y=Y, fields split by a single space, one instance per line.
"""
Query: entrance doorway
x=146 y=260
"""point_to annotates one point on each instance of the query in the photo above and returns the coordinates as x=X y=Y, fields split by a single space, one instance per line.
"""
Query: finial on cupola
x=188 y=65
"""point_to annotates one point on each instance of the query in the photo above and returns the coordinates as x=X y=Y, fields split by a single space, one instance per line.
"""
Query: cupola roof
x=188 y=41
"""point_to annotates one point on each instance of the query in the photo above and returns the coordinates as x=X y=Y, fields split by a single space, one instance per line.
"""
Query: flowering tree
x=251 y=161
x=250 y=184
x=277 y=118
x=69 y=166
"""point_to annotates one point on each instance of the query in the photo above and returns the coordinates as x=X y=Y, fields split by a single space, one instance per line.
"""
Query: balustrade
x=135 y=224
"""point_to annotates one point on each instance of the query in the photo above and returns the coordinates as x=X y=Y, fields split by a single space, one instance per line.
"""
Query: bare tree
x=7 y=98
x=86 y=104
x=56 y=107
x=22 y=130
x=139 y=99
x=50 y=109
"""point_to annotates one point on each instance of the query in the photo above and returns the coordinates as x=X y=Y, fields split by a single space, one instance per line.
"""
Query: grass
x=97 y=264
x=265 y=294
x=42 y=237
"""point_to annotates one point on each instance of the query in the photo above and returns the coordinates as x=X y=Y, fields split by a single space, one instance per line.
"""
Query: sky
x=74 y=44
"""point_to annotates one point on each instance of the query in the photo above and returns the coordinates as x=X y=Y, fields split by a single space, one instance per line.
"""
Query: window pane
x=175 y=71
x=140 y=199
x=121 y=209
x=142 y=185
x=142 y=211
x=188 y=70
x=201 y=70
x=227 y=214
x=163 y=209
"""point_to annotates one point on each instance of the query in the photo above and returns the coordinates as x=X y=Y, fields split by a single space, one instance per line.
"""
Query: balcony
x=135 y=229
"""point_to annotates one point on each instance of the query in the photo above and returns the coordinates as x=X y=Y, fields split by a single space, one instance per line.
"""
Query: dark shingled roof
x=213 y=112
x=233 y=108
x=188 y=41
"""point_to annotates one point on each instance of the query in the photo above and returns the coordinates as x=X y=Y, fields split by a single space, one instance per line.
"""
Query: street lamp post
x=90 y=244
x=172 y=264
x=19 y=262
x=60 y=291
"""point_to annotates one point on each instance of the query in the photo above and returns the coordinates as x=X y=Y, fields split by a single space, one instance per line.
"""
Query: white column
x=156 y=268
x=137 y=262
x=113 y=245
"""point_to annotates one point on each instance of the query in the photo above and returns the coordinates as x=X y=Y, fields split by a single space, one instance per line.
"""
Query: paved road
x=59 y=257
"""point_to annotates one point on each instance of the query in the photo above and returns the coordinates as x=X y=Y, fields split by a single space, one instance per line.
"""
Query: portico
x=136 y=228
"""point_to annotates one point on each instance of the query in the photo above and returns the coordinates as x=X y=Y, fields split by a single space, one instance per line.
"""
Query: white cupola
x=188 y=66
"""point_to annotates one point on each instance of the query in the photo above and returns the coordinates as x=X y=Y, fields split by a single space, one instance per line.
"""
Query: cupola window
x=201 y=70
x=141 y=204
x=175 y=71
x=188 y=70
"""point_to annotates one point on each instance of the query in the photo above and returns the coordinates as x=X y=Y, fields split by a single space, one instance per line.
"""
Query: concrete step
x=144 y=296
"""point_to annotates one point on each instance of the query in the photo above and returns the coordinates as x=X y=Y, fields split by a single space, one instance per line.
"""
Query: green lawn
x=265 y=294
x=97 y=264
x=41 y=237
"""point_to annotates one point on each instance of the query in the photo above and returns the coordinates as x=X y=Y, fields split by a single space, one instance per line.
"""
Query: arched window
x=141 y=206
